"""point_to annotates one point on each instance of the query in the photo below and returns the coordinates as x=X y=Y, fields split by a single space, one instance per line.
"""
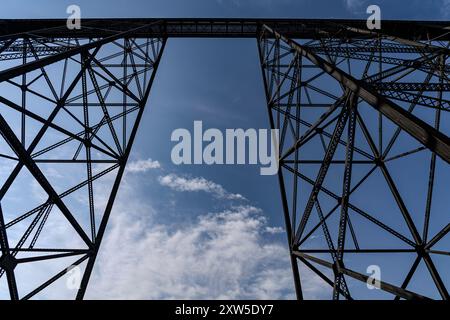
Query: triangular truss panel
x=68 y=119
x=364 y=147
x=363 y=120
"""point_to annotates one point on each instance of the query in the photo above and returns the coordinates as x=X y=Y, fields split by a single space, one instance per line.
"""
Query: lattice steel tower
x=364 y=147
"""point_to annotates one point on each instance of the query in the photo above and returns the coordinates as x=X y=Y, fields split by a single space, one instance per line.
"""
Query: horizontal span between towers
x=221 y=28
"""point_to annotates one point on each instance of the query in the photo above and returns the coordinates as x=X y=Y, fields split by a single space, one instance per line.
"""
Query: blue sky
x=397 y=9
x=171 y=239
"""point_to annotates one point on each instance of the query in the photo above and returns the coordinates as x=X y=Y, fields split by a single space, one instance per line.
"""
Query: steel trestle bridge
x=354 y=108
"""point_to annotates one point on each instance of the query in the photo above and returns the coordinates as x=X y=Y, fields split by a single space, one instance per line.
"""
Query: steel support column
x=362 y=125
x=292 y=74
x=89 y=139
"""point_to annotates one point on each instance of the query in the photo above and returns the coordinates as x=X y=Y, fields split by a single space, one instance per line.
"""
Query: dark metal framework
x=351 y=105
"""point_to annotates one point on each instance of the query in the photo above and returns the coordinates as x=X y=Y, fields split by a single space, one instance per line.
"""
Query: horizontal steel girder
x=213 y=27
x=28 y=67
x=356 y=275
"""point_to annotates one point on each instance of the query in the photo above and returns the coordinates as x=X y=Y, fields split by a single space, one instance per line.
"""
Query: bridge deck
x=221 y=28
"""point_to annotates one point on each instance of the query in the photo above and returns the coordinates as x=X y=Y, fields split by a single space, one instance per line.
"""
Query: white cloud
x=142 y=165
x=274 y=230
x=184 y=184
x=446 y=8
x=259 y=3
x=221 y=256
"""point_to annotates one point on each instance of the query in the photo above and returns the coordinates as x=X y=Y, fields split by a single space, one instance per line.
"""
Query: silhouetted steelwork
x=87 y=114
x=349 y=82
x=350 y=104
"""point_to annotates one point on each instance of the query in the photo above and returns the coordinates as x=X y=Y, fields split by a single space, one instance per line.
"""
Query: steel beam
x=102 y=227
x=330 y=48
x=409 y=295
x=216 y=27
x=433 y=139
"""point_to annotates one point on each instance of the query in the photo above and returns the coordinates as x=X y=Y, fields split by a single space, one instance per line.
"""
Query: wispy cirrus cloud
x=355 y=5
x=196 y=184
x=446 y=8
x=415 y=9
